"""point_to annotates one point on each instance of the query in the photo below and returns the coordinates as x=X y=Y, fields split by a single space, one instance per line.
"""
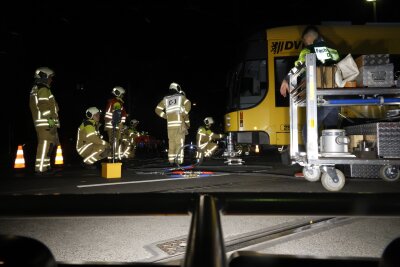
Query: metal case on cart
x=372 y=60
x=387 y=137
x=376 y=76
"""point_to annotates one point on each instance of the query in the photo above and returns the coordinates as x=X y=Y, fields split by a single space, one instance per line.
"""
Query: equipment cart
x=317 y=164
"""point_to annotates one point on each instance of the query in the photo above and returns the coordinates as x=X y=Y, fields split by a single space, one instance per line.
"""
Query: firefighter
x=128 y=142
x=133 y=128
x=90 y=144
x=44 y=109
x=205 y=138
x=113 y=104
x=314 y=43
x=175 y=108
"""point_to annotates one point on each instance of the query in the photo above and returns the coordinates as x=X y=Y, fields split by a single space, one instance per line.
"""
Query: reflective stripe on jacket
x=88 y=135
x=205 y=136
x=175 y=108
x=43 y=106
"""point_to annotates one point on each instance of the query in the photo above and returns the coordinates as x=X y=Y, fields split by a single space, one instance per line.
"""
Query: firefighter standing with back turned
x=113 y=104
x=175 y=108
x=44 y=109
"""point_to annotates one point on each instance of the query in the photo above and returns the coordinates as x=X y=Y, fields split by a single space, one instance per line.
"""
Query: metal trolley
x=315 y=164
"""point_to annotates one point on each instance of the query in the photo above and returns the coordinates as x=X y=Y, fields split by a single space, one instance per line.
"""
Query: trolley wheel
x=389 y=173
x=329 y=184
x=312 y=174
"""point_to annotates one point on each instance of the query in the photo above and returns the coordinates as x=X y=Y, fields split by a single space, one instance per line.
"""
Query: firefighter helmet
x=134 y=122
x=175 y=86
x=208 y=121
x=118 y=91
x=43 y=73
x=90 y=112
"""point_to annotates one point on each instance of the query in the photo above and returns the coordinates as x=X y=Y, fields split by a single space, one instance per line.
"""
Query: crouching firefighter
x=90 y=144
x=205 y=139
x=128 y=139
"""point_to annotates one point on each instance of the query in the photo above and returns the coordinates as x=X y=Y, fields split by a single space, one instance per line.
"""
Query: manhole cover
x=174 y=246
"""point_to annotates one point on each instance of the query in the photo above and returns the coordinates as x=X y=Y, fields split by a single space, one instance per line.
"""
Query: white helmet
x=208 y=121
x=134 y=122
x=175 y=86
x=90 y=112
x=43 y=72
x=118 y=91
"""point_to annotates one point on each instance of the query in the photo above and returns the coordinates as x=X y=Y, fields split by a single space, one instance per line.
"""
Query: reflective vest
x=43 y=106
x=325 y=55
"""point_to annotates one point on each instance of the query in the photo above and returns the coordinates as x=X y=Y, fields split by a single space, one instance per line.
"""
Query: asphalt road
x=152 y=175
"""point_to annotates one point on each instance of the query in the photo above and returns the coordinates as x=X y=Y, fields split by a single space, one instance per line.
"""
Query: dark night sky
x=142 y=46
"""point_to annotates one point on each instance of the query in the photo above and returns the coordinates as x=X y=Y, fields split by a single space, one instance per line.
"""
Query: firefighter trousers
x=176 y=139
x=209 y=149
x=95 y=152
x=47 y=142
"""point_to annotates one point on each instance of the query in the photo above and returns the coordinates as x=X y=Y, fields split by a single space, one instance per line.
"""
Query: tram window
x=247 y=84
x=253 y=83
x=282 y=67
x=254 y=78
x=234 y=87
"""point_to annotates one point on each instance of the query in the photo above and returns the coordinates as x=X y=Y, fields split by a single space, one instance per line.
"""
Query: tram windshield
x=247 y=84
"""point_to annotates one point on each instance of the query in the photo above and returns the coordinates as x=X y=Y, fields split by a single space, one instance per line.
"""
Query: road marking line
x=147 y=181
x=131 y=182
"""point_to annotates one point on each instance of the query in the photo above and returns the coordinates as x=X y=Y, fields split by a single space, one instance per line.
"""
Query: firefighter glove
x=51 y=122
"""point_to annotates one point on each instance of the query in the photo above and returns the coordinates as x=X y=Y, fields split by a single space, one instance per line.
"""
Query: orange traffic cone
x=19 y=160
x=59 y=157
